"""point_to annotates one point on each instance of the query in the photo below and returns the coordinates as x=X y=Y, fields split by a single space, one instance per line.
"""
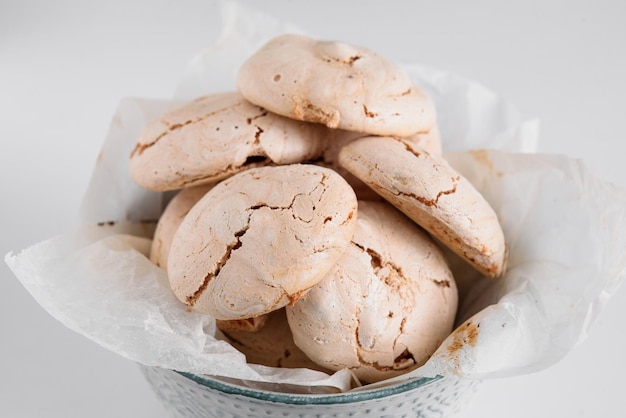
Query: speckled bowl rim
x=311 y=399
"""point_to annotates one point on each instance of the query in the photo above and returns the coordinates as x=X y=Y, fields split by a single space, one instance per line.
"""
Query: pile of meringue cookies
x=310 y=209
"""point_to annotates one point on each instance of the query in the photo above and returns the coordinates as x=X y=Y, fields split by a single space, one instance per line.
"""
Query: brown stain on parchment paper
x=465 y=335
x=482 y=156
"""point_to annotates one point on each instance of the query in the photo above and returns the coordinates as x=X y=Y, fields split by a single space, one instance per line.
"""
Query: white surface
x=64 y=68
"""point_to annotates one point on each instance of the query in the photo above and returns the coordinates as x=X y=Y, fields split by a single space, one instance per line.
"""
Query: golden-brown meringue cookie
x=385 y=306
x=271 y=345
x=216 y=136
x=167 y=226
x=429 y=141
x=338 y=138
x=260 y=239
x=429 y=191
x=170 y=219
x=336 y=84
x=248 y=325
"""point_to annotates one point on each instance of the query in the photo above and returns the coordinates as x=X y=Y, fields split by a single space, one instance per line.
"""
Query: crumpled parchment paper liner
x=565 y=231
x=99 y=282
x=566 y=235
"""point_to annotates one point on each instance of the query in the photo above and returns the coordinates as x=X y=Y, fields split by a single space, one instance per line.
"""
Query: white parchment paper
x=565 y=229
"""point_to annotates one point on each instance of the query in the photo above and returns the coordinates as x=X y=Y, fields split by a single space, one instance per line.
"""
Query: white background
x=64 y=66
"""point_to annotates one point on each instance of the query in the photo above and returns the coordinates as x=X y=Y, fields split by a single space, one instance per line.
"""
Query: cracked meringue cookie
x=385 y=306
x=429 y=141
x=429 y=191
x=271 y=345
x=167 y=226
x=260 y=239
x=338 y=138
x=336 y=84
x=169 y=221
x=216 y=136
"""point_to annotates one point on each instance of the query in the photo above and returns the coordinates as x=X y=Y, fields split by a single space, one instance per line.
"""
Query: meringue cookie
x=336 y=84
x=259 y=240
x=169 y=221
x=385 y=306
x=429 y=191
x=216 y=136
x=271 y=345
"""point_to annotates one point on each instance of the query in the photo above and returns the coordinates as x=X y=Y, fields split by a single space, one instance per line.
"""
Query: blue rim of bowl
x=310 y=399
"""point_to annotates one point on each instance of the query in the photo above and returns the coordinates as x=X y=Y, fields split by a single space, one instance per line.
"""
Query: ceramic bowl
x=186 y=395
